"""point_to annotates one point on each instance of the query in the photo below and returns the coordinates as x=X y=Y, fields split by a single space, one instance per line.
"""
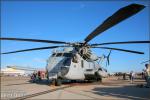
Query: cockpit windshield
x=67 y=62
x=62 y=55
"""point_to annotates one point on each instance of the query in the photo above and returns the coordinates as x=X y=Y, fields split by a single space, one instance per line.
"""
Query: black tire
x=100 y=80
x=98 y=77
x=58 y=82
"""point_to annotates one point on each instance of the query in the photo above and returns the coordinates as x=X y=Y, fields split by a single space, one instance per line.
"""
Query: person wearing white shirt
x=132 y=76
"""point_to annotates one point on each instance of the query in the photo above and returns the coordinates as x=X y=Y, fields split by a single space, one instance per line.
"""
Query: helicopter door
x=82 y=63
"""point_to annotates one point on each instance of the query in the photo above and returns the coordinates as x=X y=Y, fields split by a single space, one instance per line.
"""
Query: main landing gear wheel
x=58 y=82
x=98 y=77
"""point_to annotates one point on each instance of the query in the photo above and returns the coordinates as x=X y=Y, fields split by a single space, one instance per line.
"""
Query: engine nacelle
x=87 y=54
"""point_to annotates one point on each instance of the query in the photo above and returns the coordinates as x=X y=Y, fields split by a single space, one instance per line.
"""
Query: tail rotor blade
x=108 y=58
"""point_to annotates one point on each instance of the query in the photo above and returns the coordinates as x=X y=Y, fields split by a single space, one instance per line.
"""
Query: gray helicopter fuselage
x=64 y=65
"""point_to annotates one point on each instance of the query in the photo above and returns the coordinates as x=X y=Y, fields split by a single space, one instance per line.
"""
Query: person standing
x=147 y=75
x=39 y=75
x=132 y=76
x=124 y=76
x=142 y=75
x=33 y=77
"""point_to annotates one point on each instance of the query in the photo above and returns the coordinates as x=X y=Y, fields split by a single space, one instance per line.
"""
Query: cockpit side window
x=62 y=55
x=75 y=58
x=67 y=62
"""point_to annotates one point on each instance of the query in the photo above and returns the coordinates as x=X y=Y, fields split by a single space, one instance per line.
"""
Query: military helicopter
x=77 y=61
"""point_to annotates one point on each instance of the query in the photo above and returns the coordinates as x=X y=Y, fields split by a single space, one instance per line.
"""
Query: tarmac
x=111 y=88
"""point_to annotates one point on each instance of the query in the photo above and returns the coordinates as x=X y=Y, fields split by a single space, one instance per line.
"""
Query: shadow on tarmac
x=126 y=92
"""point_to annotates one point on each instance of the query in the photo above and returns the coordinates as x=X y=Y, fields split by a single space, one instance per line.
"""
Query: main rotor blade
x=41 y=48
x=131 y=51
x=34 y=40
x=126 y=42
x=117 y=17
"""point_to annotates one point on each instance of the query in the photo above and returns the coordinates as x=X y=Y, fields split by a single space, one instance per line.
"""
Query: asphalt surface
x=111 y=88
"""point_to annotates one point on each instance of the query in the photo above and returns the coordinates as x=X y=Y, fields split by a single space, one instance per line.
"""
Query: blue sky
x=71 y=21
